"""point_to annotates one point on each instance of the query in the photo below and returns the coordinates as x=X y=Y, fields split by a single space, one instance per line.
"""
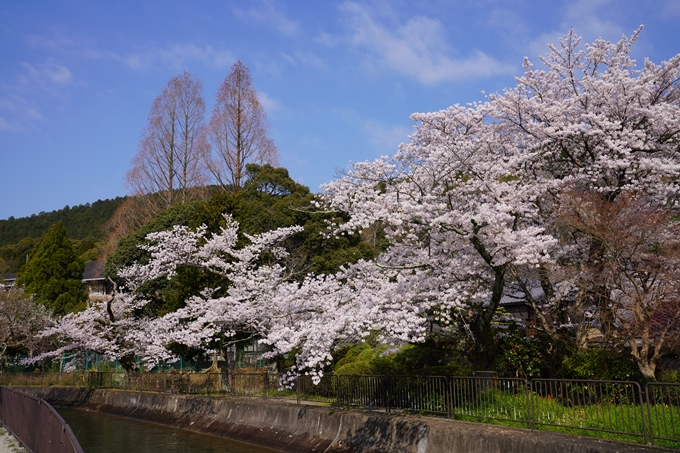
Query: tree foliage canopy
x=53 y=273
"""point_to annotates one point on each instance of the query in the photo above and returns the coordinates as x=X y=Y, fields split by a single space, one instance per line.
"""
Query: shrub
x=599 y=364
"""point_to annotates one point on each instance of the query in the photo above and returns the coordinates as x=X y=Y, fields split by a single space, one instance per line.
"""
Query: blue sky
x=338 y=79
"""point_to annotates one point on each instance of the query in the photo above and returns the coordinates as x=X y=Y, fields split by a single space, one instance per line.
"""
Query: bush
x=599 y=364
x=520 y=357
x=672 y=376
x=419 y=359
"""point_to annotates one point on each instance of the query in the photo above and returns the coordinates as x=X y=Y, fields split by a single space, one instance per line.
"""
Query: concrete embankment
x=300 y=429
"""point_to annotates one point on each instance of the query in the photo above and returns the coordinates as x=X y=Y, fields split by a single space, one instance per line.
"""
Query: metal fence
x=611 y=409
x=238 y=384
x=36 y=424
x=614 y=407
x=663 y=410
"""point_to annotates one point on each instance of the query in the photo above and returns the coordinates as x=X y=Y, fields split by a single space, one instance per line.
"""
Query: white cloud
x=305 y=59
x=270 y=104
x=671 y=8
x=12 y=126
x=268 y=14
x=175 y=56
x=386 y=138
x=46 y=74
x=586 y=18
x=178 y=54
x=417 y=48
x=18 y=112
x=55 y=42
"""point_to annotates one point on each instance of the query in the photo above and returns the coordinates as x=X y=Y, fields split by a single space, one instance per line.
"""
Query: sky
x=338 y=79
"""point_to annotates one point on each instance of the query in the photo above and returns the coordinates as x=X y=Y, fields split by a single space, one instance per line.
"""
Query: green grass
x=598 y=420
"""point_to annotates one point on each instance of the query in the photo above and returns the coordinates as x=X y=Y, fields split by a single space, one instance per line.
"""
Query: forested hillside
x=83 y=224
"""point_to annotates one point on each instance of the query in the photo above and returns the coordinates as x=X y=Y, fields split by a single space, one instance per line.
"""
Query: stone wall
x=295 y=428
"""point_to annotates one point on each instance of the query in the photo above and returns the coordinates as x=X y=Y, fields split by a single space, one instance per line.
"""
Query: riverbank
x=9 y=444
x=292 y=428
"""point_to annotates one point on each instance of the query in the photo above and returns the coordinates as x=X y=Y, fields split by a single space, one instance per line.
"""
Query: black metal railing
x=490 y=398
x=614 y=407
x=36 y=424
x=663 y=413
x=611 y=409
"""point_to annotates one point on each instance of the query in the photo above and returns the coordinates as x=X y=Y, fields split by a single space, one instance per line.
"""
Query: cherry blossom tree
x=20 y=320
x=469 y=204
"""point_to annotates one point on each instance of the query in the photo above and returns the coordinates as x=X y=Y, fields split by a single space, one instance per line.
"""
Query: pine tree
x=53 y=272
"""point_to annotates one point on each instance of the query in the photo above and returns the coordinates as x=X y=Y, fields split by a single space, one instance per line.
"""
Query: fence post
x=528 y=393
x=649 y=422
x=297 y=388
x=265 y=376
x=448 y=396
x=386 y=383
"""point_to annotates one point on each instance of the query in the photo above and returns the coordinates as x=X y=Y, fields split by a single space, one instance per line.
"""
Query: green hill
x=83 y=225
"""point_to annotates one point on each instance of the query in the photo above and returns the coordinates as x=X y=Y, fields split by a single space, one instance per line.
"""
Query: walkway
x=8 y=444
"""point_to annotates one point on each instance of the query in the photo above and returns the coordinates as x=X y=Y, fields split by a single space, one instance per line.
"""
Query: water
x=102 y=433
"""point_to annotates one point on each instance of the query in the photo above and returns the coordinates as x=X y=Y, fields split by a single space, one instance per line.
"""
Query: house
x=7 y=281
x=93 y=276
x=524 y=315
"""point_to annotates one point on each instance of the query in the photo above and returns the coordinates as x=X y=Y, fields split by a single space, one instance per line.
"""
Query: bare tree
x=169 y=165
x=631 y=272
x=237 y=132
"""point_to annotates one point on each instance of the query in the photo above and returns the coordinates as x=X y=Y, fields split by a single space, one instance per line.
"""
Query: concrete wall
x=298 y=428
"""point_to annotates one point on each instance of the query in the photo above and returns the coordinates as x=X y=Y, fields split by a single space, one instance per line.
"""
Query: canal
x=102 y=433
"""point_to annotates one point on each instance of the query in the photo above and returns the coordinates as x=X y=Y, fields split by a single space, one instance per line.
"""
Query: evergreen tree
x=53 y=273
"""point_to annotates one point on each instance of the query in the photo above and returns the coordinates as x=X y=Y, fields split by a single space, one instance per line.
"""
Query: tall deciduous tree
x=635 y=276
x=237 y=132
x=53 y=273
x=169 y=165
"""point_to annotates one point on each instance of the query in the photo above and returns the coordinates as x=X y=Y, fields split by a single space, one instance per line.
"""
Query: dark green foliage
x=53 y=273
x=15 y=255
x=81 y=222
x=520 y=356
x=128 y=251
x=599 y=364
x=165 y=295
x=415 y=359
x=269 y=199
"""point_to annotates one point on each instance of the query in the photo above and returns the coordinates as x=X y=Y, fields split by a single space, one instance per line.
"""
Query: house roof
x=94 y=270
x=667 y=312
x=518 y=297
